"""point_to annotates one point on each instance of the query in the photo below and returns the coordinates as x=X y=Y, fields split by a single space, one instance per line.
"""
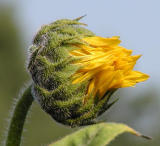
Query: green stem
x=18 y=118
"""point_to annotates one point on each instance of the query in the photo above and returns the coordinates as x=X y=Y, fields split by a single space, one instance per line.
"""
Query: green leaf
x=96 y=135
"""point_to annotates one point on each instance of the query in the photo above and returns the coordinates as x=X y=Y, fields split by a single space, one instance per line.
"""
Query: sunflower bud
x=75 y=72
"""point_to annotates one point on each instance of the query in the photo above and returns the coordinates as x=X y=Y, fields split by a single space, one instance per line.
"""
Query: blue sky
x=136 y=22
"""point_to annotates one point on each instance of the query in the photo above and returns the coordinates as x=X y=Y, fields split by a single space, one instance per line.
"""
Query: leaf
x=96 y=135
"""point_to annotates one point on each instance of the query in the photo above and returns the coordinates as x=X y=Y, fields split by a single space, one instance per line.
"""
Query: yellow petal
x=100 y=42
x=137 y=76
x=105 y=65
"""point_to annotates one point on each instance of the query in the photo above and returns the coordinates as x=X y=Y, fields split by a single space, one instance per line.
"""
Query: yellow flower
x=106 y=65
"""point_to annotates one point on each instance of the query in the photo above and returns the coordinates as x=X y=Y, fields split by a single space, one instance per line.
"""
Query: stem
x=18 y=118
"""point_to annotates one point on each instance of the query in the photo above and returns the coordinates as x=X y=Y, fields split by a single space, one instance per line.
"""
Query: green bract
x=51 y=67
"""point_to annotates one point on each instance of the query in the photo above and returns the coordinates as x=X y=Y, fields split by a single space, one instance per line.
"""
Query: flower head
x=106 y=65
x=69 y=64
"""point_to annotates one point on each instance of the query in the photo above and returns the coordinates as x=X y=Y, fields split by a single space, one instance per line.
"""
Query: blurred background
x=136 y=22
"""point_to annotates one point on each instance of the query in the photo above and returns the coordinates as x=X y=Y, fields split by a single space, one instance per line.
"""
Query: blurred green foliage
x=40 y=129
x=12 y=71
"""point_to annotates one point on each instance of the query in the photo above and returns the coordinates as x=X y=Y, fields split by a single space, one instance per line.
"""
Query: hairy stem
x=18 y=118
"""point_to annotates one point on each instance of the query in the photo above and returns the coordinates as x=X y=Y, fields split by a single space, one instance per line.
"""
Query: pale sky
x=137 y=23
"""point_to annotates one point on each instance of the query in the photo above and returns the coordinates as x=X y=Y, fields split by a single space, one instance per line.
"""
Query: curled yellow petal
x=106 y=65
x=100 y=42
